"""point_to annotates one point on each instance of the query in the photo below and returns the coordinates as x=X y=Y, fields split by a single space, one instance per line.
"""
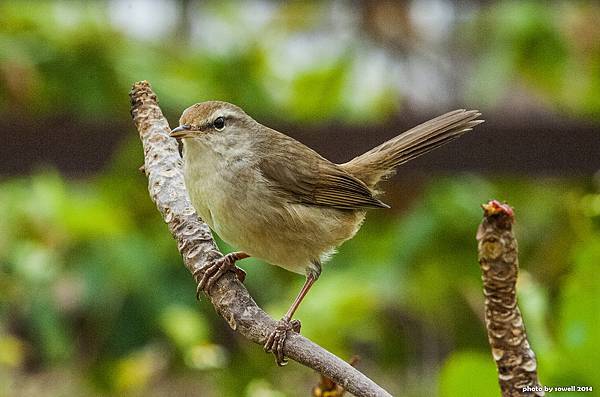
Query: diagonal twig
x=163 y=166
x=498 y=259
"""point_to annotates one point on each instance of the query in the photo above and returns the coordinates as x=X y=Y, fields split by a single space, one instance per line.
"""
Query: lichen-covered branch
x=515 y=360
x=163 y=166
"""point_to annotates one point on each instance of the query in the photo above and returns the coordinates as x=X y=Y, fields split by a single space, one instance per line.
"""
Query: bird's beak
x=183 y=131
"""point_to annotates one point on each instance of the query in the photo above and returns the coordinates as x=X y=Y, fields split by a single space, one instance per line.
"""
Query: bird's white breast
x=210 y=178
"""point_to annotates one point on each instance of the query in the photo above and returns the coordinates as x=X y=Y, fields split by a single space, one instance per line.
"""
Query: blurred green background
x=94 y=300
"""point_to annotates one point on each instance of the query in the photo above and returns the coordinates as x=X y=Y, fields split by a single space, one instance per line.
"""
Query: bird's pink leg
x=276 y=340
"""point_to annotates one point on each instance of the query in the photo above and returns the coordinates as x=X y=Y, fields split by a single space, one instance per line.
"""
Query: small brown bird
x=278 y=200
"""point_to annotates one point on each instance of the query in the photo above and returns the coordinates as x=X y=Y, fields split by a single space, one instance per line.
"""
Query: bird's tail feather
x=381 y=161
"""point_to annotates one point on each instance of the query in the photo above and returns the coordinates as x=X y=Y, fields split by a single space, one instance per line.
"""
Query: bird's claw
x=276 y=339
x=214 y=270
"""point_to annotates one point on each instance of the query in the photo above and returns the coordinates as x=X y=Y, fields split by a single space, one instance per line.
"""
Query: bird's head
x=215 y=123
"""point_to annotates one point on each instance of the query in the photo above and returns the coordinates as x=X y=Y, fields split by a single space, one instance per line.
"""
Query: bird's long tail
x=381 y=161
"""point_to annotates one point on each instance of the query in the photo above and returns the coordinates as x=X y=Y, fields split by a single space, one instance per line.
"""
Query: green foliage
x=554 y=50
x=52 y=67
x=469 y=374
x=577 y=346
x=53 y=55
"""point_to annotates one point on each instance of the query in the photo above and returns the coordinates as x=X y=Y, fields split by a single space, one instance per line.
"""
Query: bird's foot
x=276 y=340
x=214 y=270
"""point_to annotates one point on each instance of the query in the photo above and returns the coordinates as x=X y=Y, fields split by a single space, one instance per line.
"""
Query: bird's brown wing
x=302 y=176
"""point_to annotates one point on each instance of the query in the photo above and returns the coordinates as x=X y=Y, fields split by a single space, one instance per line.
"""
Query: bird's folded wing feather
x=303 y=176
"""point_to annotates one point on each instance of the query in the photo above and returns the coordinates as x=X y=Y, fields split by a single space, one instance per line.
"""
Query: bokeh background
x=94 y=300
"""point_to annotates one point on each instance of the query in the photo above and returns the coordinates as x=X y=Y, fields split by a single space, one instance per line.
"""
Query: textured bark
x=328 y=388
x=498 y=259
x=163 y=166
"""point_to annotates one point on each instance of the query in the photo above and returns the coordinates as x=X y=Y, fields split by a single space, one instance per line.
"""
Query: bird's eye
x=219 y=123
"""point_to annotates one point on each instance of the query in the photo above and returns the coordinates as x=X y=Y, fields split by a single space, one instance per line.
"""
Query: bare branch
x=328 y=388
x=163 y=166
x=515 y=360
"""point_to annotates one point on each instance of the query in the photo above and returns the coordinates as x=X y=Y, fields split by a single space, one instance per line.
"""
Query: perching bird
x=278 y=200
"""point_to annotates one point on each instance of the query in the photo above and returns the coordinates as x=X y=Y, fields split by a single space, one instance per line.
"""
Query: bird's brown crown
x=198 y=113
